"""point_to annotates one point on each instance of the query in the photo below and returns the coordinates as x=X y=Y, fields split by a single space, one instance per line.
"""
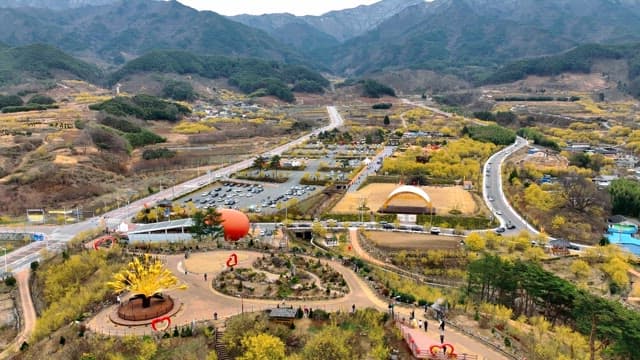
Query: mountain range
x=468 y=38
x=330 y=29
x=125 y=29
x=53 y=4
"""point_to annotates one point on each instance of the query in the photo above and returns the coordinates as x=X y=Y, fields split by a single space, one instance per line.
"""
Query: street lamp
x=241 y=303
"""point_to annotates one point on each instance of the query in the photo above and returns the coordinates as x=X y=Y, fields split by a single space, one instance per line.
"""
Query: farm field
x=444 y=199
x=412 y=241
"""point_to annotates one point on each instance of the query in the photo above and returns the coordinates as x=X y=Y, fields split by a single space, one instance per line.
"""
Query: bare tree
x=581 y=194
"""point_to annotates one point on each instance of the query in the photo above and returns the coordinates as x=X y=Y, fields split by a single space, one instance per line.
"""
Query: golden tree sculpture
x=146 y=278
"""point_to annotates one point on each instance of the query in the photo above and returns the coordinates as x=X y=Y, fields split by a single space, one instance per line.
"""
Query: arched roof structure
x=412 y=191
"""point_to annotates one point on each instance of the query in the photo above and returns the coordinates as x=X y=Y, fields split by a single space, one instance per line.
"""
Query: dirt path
x=28 y=314
x=404 y=122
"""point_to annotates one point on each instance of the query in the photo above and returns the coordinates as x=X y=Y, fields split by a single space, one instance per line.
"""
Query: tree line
x=491 y=133
x=538 y=138
x=625 y=197
x=528 y=289
x=145 y=107
x=248 y=74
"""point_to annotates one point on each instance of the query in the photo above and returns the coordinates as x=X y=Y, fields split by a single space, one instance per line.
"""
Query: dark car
x=388 y=226
x=500 y=230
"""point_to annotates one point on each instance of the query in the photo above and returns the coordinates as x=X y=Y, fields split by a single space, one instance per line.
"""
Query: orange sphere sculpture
x=235 y=224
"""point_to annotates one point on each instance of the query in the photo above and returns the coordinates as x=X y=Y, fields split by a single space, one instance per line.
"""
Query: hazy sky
x=258 y=7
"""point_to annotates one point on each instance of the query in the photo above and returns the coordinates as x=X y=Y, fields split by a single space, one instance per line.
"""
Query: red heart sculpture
x=161 y=323
x=102 y=240
x=434 y=349
x=232 y=261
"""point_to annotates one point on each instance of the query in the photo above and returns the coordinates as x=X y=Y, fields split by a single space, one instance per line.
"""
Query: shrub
x=382 y=106
x=319 y=314
x=10 y=281
x=41 y=100
x=30 y=107
x=143 y=138
x=10 y=100
x=121 y=124
x=179 y=90
x=162 y=153
x=34 y=265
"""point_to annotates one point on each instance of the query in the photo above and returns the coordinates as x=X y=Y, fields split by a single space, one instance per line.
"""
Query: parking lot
x=266 y=198
x=249 y=196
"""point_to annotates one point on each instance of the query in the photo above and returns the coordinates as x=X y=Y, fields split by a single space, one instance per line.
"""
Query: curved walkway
x=462 y=342
x=28 y=314
x=201 y=301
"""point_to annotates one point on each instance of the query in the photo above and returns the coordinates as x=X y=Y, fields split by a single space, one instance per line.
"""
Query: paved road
x=371 y=169
x=494 y=195
x=58 y=234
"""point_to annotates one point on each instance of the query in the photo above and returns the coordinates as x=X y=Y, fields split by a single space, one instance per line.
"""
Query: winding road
x=202 y=301
x=493 y=193
x=57 y=235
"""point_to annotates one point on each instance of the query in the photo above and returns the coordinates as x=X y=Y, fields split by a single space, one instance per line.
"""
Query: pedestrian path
x=200 y=301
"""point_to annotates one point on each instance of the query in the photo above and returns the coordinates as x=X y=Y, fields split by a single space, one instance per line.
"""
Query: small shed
x=559 y=247
x=283 y=315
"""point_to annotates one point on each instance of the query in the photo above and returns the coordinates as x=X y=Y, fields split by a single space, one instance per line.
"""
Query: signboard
x=407 y=218
x=35 y=216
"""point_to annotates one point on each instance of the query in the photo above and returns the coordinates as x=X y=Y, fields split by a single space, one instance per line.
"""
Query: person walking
x=205 y=276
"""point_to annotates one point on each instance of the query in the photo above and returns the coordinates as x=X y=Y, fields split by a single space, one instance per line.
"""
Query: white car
x=435 y=230
x=498 y=212
x=491 y=199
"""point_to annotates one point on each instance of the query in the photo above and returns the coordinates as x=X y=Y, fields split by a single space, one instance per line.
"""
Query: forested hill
x=256 y=76
x=128 y=28
x=21 y=64
x=465 y=36
x=577 y=60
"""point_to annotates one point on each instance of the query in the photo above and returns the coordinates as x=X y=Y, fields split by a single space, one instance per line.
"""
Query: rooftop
x=289 y=313
x=159 y=226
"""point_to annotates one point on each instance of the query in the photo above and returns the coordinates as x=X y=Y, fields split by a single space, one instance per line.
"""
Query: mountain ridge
x=54 y=4
x=126 y=29
x=429 y=35
x=338 y=25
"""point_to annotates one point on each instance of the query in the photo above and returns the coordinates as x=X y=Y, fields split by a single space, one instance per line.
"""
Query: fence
x=111 y=329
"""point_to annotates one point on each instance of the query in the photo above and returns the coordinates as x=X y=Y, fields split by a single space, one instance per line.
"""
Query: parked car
x=435 y=230
x=500 y=230
x=510 y=225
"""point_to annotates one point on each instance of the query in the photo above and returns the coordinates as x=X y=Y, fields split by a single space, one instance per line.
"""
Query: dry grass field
x=444 y=199
x=412 y=241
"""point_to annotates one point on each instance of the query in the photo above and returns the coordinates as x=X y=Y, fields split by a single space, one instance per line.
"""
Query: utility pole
x=5 y=261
